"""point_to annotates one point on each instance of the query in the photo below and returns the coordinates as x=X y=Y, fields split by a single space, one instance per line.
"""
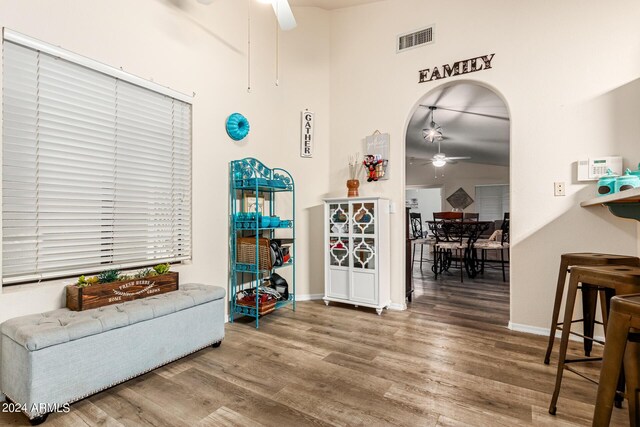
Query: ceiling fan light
x=438 y=162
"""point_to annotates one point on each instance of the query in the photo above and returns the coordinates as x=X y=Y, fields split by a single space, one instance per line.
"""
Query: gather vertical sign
x=306 y=134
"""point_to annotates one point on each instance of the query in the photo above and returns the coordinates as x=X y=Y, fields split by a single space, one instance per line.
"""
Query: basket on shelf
x=264 y=308
x=246 y=251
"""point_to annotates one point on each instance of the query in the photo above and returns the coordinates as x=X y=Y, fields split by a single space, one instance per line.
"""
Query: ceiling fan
x=281 y=8
x=474 y=113
x=440 y=159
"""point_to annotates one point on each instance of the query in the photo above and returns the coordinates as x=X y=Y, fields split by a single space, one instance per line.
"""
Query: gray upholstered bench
x=55 y=358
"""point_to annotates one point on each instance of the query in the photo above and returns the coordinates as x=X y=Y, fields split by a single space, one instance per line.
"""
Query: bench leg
x=216 y=344
x=38 y=420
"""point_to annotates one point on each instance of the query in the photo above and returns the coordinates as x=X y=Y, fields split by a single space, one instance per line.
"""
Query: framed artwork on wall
x=460 y=199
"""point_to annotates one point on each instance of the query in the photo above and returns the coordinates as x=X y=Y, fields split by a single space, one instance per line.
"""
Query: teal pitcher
x=627 y=181
x=607 y=184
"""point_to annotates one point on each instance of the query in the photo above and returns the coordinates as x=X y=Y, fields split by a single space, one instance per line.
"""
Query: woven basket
x=246 y=252
x=265 y=307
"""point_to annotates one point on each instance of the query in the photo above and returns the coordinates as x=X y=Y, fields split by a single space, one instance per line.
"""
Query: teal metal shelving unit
x=250 y=178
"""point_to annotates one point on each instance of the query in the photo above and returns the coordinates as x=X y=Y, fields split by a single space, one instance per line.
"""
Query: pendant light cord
x=277 y=53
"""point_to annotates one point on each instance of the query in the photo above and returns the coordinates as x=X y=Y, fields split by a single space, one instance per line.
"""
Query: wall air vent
x=413 y=39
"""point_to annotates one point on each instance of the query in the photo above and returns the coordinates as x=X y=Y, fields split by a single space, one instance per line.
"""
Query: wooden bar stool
x=615 y=280
x=622 y=330
x=588 y=297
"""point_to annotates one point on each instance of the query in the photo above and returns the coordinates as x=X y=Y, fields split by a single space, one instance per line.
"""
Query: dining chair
x=449 y=235
x=473 y=229
x=470 y=216
x=451 y=216
x=501 y=246
x=419 y=237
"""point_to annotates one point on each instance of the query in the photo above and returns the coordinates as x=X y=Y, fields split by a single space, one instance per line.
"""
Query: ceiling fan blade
x=457 y=158
x=283 y=12
x=490 y=116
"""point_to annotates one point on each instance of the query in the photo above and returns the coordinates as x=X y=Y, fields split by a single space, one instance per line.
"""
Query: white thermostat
x=593 y=169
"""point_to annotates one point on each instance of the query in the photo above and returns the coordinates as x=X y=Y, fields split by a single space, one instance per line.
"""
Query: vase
x=352 y=185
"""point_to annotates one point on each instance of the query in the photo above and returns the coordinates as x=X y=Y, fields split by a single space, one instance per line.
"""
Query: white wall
x=569 y=72
x=203 y=49
x=429 y=201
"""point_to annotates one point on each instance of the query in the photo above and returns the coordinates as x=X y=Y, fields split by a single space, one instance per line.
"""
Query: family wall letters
x=457 y=68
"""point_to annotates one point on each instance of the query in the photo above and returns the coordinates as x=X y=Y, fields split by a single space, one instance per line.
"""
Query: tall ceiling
x=479 y=127
x=330 y=4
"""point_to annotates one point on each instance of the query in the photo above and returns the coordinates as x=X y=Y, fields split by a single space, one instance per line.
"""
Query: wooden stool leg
x=617 y=331
x=632 y=375
x=562 y=275
x=619 y=398
x=589 y=304
x=564 y=341
x=603 y=308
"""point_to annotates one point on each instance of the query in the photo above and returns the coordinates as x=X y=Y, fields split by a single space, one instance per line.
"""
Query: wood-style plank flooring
x=449 y=360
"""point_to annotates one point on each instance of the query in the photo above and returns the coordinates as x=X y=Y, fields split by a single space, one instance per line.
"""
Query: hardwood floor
x=447 y=361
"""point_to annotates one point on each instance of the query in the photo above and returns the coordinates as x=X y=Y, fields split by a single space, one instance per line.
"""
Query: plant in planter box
x=162 y=268
x=83 y=282
x=145 y=272
x=109 y=276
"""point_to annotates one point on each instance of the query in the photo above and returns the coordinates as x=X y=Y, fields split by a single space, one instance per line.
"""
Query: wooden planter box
x=99 y=295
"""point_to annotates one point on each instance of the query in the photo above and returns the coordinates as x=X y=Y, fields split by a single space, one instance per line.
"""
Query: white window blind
x=492 y=201
x=96 y=170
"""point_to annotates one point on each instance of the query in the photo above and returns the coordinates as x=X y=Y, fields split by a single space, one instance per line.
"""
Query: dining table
x=457 y=238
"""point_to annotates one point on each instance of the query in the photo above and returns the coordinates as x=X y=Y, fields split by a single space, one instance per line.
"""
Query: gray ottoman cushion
x=42 y=330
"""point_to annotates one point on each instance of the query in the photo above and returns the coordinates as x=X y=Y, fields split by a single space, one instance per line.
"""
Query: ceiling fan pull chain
x=249 y=49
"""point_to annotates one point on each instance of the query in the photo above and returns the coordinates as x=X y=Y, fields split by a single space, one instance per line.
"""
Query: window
x=492 y=201
x=96 y=166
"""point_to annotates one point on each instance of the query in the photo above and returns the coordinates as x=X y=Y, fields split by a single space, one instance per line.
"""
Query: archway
x=457 y=139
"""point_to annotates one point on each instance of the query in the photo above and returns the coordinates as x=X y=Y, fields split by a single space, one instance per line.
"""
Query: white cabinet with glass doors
x=357 y=256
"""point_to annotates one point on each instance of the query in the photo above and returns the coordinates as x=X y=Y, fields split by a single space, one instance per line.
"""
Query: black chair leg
x=434 y=268
x=413 y=256
x=421 y=255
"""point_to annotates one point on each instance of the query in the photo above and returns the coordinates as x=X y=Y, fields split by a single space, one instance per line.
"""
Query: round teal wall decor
x=237 y=126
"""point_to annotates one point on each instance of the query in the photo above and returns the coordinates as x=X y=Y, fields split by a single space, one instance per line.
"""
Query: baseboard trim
x=536 y=330
x=309 y=297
